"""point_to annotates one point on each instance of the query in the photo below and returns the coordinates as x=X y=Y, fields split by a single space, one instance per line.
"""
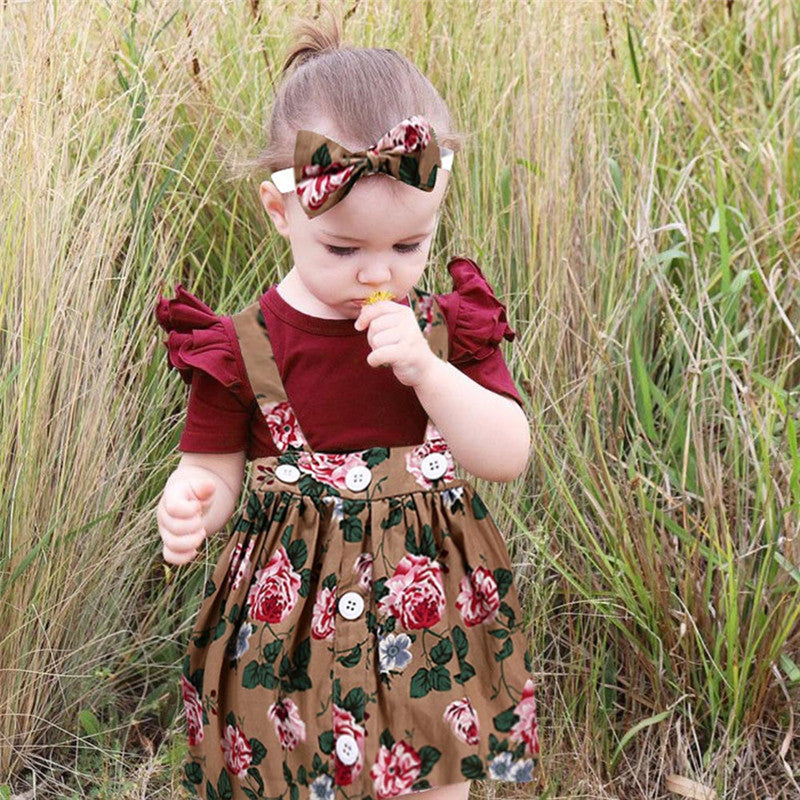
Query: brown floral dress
x=361 y=635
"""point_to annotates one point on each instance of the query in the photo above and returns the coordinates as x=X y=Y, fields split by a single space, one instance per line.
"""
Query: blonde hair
x=360 y=92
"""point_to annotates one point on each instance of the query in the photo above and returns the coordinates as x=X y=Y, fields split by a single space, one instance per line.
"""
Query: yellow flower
x=378 y=296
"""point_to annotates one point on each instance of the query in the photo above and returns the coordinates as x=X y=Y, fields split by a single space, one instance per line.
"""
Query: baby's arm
x=198 y=499
x=487 y=432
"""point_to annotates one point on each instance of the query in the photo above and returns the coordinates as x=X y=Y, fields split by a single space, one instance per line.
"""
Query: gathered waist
x=374 y=473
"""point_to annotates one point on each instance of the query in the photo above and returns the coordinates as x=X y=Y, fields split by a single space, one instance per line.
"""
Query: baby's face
x=377 y=237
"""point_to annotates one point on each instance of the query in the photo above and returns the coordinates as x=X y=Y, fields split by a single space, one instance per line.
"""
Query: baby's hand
x=180 y=517
x=396 y=340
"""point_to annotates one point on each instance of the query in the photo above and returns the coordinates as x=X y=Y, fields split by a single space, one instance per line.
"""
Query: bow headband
x=324 y=171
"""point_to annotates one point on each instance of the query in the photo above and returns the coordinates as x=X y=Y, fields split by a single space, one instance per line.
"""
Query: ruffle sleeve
x=198 y=339
x=476 y=319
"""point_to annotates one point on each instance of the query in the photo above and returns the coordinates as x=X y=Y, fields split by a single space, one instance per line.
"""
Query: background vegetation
x=630 y=185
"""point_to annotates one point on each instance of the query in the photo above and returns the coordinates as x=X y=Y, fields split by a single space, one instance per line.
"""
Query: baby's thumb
x=203 y=488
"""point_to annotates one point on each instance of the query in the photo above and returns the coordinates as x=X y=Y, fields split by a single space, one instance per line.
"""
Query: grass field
x=629 y=184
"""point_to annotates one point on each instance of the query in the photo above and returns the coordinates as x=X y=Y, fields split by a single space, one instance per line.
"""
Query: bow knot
x=325 y=171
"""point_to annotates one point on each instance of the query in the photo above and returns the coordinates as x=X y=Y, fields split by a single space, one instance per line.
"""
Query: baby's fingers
x=180 y=502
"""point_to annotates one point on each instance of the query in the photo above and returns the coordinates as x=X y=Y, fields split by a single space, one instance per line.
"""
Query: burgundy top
x=340 y=401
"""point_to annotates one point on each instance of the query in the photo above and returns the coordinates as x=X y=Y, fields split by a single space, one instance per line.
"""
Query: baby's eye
x=340 y=251
x=407 y=248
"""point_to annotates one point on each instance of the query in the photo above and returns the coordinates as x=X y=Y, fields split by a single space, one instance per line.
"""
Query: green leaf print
x=224 y=786
x=460 y=641
x=379 y=588
x=429 y=756
x=427 y=680
x=353 y=529
x=355 y=702
x=194 y=772
x=504 y=721
x=442 y=652
x=220 y=629
x=409 y=170
x=386 y=739
x=479 y=510
x=528 y=661
x=286 y=536
x=294 y=792
x=259 y=751
x=250 y=677
x=329 y=582
x=301 y=775
x=375 y=455
x=287 y=773
x=234 y=613
x=505 y=651
x=503 y=579
x=210 y=588
x=472 y=767
x=211 y=792
x=202 y=639
x=411 y=542
x=326 y=742
x=311 y=488
x=249 y=793
x=352 y=659
x=394 y=516
x=272 y=651
x=432 y=177
x=506 y=609
x=254 y=506
x=499 y=633
x=316 y=764
x=256 y=776
x=298 y=553
x=305 y=582
x=321 y=156
x=427 y=546
x=351 y=508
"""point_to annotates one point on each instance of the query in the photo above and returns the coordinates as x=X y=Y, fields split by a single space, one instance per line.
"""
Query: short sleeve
x=477 y=324
x=201 y=346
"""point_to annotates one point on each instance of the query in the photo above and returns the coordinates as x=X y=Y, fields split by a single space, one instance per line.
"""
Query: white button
x=288 y=473
x=433 y=466
x=347 y=749
x=351 y=604
x=357 y=478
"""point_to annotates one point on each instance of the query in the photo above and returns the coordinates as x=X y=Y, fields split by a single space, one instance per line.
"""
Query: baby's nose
x=375 y=273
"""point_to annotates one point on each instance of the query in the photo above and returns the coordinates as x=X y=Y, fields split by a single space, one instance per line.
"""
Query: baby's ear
x=274 y=204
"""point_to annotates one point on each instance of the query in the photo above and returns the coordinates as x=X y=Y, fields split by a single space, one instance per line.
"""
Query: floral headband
x=324 y=171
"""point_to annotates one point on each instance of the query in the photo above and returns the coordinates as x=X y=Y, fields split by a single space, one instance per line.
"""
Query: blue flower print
x=393 y=651
x=322 y=788
x=241 y=645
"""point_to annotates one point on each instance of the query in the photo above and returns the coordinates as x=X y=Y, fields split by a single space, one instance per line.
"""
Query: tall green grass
x=630 y=186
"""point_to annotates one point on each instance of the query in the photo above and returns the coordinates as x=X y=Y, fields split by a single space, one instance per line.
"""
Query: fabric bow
x=324 y=171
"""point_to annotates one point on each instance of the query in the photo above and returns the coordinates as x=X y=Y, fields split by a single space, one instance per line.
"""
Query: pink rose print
x=526 y=728
x=318 y=182
x=194 y=711
x=363 y=568
x=478 y=600
x=344 y=722
x=240 y=569
x=395 y=770
x=237 y=751
x=463 y=719
x=276 y=589
x=282 y=425
x=434 y=443
x=324 y=613
x=426 y=312
x=416 y=592
x=329 y=468
x=405 y=137
x=290 y=729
